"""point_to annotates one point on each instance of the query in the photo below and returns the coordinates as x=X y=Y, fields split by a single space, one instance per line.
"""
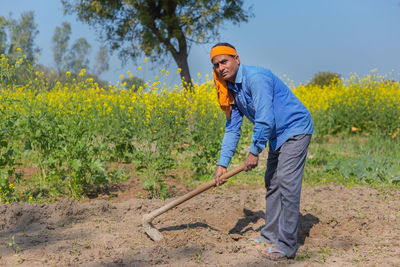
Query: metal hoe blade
x=148 y=227
x=147 y=224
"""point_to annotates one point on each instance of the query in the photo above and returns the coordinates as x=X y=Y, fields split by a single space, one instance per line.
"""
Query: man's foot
x=259 y=239
x=275 y=254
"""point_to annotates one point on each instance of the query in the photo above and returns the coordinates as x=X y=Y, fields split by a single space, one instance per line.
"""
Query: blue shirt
x=277 y=114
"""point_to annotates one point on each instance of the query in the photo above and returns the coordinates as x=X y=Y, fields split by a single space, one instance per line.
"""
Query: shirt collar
x=237 y=80
x=239 y=75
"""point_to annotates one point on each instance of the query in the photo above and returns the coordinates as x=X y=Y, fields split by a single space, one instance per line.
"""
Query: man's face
x=226 y=66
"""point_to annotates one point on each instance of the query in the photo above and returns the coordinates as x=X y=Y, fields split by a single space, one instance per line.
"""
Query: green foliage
x=343 y=160
x=60 y=41
x=324 y=78
x=16 y=72
x=49 y=79
x=353 y=159
x=69 y=131
x=78 y=56
x=154 y=28
x=368 y=105
x=156 y=187
x=67 y=155
x=132 y=83
x=366 y=168
x=22 y=34
x=17 y=50
x=7 y=164
x=156 y=160
x=3 y=35
x=101 y=64
x=17 y=59
x=206 y=150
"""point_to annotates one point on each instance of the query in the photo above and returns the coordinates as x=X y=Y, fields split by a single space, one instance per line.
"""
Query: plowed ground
x=339 y=226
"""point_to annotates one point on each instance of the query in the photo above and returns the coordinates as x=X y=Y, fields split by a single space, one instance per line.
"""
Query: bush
x=324 y=78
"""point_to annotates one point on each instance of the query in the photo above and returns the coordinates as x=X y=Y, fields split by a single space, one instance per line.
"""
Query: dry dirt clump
x=338 y=227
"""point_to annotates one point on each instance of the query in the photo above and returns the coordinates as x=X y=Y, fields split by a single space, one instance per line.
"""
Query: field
x=339 y=226
x=81 y=163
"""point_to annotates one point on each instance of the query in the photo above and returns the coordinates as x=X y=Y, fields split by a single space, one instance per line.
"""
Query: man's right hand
x=220 y=171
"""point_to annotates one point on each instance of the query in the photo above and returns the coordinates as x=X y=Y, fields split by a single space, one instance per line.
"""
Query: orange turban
x=225 y=98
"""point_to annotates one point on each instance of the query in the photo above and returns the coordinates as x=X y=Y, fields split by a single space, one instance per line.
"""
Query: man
x=280 y=119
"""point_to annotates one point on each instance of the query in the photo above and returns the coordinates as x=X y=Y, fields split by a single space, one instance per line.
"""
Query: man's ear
x=237 y=59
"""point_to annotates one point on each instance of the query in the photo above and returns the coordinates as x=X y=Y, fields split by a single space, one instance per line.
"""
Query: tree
x=22 y=35
x=3 y=35
x=78 y=57
x=60 y=45
x=324 y=78
x=101 y=64
x=157 y=27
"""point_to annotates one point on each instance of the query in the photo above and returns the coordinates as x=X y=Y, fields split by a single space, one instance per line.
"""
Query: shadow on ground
x=306 y=222
x=187 y=226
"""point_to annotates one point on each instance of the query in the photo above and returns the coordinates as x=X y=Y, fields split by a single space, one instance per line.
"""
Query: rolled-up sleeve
x=231 y=137
x=262 y=95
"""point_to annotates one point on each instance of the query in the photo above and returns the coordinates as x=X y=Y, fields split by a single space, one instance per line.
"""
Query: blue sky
x=292 y=38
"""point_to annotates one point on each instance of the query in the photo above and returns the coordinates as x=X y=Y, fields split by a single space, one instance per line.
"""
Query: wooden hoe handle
x=191 y=194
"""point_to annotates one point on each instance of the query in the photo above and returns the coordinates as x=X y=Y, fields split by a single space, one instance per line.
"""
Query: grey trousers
x=283 y=180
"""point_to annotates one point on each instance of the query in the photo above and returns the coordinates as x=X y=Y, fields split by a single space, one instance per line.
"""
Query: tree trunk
x=181 y=61
x=185 y=75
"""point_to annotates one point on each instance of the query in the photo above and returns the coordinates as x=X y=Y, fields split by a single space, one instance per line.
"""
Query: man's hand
x=220 y=171
x=251 y=162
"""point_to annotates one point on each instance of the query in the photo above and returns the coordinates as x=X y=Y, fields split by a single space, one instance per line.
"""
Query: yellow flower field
x=70 y=129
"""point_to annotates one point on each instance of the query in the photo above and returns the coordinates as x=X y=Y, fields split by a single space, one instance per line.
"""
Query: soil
x=339 y=226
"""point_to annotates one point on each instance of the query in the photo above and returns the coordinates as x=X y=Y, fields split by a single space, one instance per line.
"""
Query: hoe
x=152 y=232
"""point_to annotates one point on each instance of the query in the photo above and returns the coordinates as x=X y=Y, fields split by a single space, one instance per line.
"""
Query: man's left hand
x=251 y=162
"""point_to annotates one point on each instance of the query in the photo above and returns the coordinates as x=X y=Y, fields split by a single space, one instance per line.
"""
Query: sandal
x=273 y=251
